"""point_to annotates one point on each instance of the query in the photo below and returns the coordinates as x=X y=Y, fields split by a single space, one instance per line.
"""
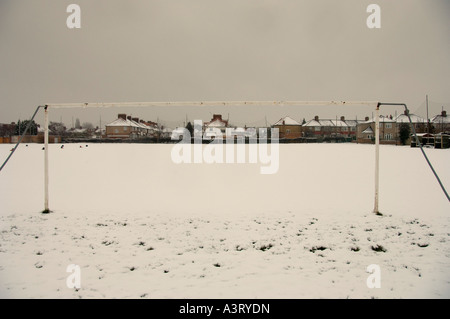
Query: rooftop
x=287 y=121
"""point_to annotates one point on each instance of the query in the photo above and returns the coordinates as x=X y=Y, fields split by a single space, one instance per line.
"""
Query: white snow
x=368 y=130
x=382 y=119
x=139 y=225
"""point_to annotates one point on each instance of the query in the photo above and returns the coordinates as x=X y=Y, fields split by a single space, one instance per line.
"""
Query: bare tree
x=57 y=128
x=88 y=126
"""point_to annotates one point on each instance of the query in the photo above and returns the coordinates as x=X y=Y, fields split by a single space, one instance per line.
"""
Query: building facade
x=331 y=129
x=127 y=127
x=440 y=123
x=288 y=128
x=387 y=129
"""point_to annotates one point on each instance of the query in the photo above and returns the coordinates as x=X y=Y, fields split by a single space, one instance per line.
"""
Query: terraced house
x=441 y=123
x=388 y=131
x=330 y=129
x=288 y=128
x=127 y=127
x=419 y=123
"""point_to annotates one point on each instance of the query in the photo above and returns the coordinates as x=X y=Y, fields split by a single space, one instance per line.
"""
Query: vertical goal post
x=374 y=104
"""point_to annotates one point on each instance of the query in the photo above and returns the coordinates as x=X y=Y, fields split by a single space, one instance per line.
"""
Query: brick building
x=288 y=128
x=441 y=123
x=365 y=132
x=130 y=127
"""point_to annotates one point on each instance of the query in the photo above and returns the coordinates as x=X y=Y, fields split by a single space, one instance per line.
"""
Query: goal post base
x=378 y=213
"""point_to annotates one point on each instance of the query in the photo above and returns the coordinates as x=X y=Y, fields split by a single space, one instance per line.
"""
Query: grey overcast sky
x=189 y=50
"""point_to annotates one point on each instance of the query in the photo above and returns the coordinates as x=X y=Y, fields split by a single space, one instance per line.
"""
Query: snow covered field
x=140 y=226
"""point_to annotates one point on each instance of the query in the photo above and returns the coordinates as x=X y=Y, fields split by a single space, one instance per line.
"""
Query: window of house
x=317 y=128
x=388 y=136
x=388 y=125
x=125 y=128
x=116 y=131
x=288 y=131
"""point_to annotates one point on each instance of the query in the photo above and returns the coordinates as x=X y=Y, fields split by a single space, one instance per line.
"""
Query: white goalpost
x=47 y=107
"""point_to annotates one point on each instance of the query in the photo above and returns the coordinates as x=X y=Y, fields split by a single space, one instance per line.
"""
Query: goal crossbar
x=210 y=103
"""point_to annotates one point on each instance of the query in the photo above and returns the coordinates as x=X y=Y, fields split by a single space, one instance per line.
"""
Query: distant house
x=120 y=128
x=420 y=124
x=365 y=132
x=366 y=135
x=98 y=133
x=326 y=129
x=316 y=127
x=75 y=132
x=166 y=133
x=127 y=127
x=288 y=128
x=176 y=134
x=216 y=124
x=441 y=123
x=351 y=127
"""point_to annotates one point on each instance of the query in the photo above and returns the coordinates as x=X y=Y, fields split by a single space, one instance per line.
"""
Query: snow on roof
x=312 y=123
x=177 y=130
x=287 y=121
x=402 y=118
x=333 y=123
x=423 y=134
x=352 y=122
x=383 y=119
x=141 y=125
x=339 y=123
x=440 y=119
x=368 y=130
x=216 y=123
x=122 y=122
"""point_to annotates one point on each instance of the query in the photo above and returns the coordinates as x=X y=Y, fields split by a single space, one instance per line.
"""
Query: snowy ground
x=140 y=226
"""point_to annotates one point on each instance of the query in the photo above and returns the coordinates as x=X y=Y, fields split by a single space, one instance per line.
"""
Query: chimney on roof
x=136 y=119
x=444 y=113
x=343 y=118
x=284 y=122
x=122 y=116
x=129 y=117
x=217 y=117
x=366 y=118
x=316 y=118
